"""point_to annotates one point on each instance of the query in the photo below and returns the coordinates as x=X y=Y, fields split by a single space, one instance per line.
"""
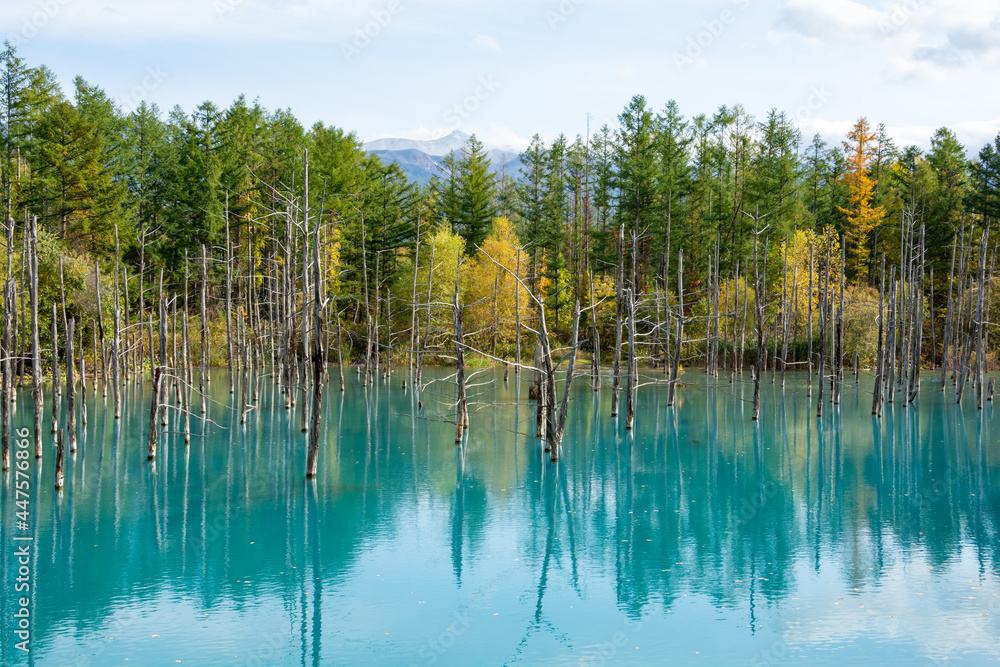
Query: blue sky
x=506 y=70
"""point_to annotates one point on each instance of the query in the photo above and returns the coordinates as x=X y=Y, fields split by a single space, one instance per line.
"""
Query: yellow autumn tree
x=802 y=244
x=862 y=215
x=492 y=296
x=445 y=250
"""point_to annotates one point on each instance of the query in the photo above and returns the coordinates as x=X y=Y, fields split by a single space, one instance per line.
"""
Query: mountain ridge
x=423 y=159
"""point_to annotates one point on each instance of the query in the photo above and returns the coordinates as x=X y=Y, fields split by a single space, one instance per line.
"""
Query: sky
x=507 y=70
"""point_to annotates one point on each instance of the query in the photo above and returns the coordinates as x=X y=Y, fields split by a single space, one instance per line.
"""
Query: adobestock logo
x=366 y=34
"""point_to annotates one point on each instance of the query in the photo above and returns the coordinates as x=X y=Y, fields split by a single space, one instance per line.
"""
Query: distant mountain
x=422 y=160
x=435 y=147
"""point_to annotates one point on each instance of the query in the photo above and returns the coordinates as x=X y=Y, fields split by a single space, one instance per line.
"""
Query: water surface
x=699 y=538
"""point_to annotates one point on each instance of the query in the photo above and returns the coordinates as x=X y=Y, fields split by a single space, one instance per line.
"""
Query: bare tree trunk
x=619 y=279
x=154 y=405
x=889 y=363
x=70 y=386
x=115 y=360
x=595 y=364
x=36 y=347
x=128 y=347
x=427 y=328
x=809 y=325
x=461 y=415
x=229 y=305
x=539 y=393
x=784 y=320
x=917 y=292
x=560 y=422
x=204 y=329
x=632 y=362
x=100 y=331
x=517 y=316
x=55 y=371
x=414 y=335
x=368 y=318
x=787 y=319
x=743 y=325
x=759 y=300
x=340 y=353
x=59 y=460
x=5 y=379
x=163 y=353
x=839 y=367
x=680 y=329
x=975 y=338
x=318 y=360
x=388 y=334
x=186 y=379
x=879 y=357
x=83 y=380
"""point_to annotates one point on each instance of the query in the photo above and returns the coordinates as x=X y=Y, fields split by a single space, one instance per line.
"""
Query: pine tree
x=71 y=185
x=985 y=196
x=468 y=193
x=14 y=78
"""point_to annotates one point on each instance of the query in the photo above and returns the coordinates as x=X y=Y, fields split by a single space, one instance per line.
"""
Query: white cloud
x=484 y=43
x=504 y=137
x=919 y=39
x=831 y=20
x=226 y=20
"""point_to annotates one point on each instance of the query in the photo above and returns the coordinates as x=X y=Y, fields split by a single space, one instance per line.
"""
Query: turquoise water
x=702 y=538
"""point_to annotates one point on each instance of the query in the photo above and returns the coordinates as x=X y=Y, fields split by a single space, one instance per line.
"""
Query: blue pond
x=699 y=538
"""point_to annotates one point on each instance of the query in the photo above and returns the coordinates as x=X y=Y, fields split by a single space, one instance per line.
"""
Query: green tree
x=985 y=196
x=531 y=197
x=72 y=187
x=468 y=199
x=14 y=78
x=638 y=173
x=943 y=210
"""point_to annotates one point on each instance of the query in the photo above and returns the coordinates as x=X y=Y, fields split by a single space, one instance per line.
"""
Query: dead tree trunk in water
x=595 y=363
x=115 y=360
x=83 y=381
x=318 y=358
x=427 y=327
x=976 y=336
x=154 y=405
x=809 y=325
x=414 y=335
x=675 y=368
x=619 y=279
x=879 y=361
x=461 y=414
x=100 y=331
x=204 y=329
x=163 y=349
x=632 y=362
x=59 y=460
x=55 y=371
x=306 y=346
x=340 y=353
x=759 y=319
x=70 y=386
x=517 y=316
x=229 y=305
x=559 y=422
x=538 y=394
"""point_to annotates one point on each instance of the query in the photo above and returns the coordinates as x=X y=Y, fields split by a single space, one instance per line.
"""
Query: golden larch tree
x=862 y=215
